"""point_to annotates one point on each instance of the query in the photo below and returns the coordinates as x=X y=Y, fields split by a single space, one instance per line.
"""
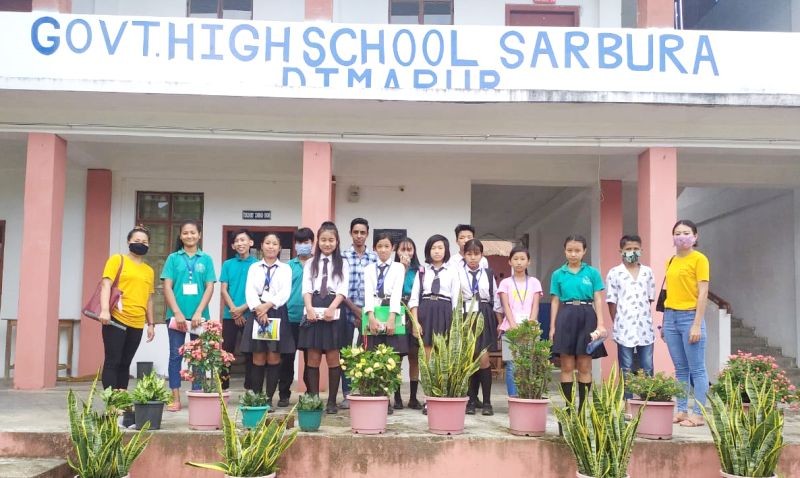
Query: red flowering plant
x=205 y=358
x=760 y=368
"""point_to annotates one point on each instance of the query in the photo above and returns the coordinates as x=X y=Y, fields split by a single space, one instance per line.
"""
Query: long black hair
x=188 y=222
x=328 y=226
x=414 y=263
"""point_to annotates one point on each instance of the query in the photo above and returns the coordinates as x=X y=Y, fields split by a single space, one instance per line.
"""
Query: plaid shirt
x=357 y=265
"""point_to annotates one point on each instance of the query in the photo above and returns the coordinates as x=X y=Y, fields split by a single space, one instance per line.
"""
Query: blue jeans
x=625 y=359
x=511 y=387
x=689 y=359
x=176 y=339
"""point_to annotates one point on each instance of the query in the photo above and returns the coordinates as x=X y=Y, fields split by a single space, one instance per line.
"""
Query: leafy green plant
x=252 y=399
x=658 y=388
x=749 y=442
x=372 y=373
x=310 y=403
x=759 y=368
x=255 y=452
x=151 y=388
x=116 y=401
x=597 y=433
x=99 y=450
x=532 y=367
x=453 y=359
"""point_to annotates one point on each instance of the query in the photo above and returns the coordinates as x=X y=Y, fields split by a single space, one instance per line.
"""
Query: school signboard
x=44 y=51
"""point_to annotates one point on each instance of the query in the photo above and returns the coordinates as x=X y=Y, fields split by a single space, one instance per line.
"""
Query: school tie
x=435 y=286
x=381 y=279
x=475 y=282
x=323 y=287
x=268 y=276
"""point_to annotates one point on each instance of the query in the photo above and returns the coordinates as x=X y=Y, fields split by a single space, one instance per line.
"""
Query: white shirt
x=633 y=325
x=256 y=291
x=449 y=284
x=457 y=260
x=465 y=277
x=335 y=284
x=393 y=279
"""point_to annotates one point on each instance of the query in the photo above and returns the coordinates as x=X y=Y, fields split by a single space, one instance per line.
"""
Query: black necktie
x=381 y=279
x=323 y=287
x=268 y=277
x=475 y=281
x=435 y=286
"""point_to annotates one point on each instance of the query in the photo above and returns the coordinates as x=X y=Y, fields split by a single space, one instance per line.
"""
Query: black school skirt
x=286 y=345
x=322 y=335
x=435 y=317
x=488 y=338
x=574 y=324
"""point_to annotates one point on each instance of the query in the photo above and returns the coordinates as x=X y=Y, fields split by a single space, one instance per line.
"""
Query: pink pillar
x=319 y=10
x=40 y=267
x=658 y=210
x=97 y=237
x=610 y=232
x=655 y=13
x=60 y=6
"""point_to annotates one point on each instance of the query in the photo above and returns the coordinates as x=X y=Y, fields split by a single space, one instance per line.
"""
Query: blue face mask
x=303 y=249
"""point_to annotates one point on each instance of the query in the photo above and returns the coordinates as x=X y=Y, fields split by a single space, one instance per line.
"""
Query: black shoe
x=331 y=409
x=398 y=404
x=471 y=407
x=414 y=404
x=487 y=410
x=425 y=409
x=283 y=402
x=478 y=403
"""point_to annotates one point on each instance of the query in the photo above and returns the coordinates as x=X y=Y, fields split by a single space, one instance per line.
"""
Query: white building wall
x=153 y=8
x=279 y=10
x=361 y=11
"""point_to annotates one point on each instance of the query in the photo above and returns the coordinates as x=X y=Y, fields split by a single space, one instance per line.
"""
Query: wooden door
x=542 y=16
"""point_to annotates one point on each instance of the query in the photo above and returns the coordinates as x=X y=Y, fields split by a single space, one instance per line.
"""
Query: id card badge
x=190 y=289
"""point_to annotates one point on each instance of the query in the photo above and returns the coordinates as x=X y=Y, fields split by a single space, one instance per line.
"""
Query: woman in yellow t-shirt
x=684 y=329
x=134 y=310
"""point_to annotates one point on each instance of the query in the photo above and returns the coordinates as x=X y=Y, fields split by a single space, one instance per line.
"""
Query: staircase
x=744 y=338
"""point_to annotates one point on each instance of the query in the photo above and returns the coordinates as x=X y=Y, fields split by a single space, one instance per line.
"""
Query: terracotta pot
x=728 y=475
x=368 y=414
x=446 y=415
x=656 y=421
x=204 y=410
x=527 y=417
x=271 y=475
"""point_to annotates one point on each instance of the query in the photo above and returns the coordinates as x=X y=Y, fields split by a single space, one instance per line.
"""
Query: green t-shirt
x=581 y=285
x=234 y=273
x=188 y=273
x=295 y=307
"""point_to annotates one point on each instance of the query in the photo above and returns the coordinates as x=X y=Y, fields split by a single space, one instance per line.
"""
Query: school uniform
x=457 y=260
x=383 y=286
x=268 y=283
x=576 y=318
x=479 y=292
x=325 y=335
x=408 y=286
x=234 y=273
x=435 y=296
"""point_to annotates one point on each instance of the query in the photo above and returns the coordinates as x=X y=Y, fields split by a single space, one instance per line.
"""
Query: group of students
x=321 y=295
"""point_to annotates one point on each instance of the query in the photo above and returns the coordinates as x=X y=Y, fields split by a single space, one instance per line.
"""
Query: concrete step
x=34 y=468
x=742 y=343
x=736 y=322
x=743 y=332
x=763 y=350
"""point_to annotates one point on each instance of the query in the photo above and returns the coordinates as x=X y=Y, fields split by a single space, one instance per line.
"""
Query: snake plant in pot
x=748 y=441
x=527 y=412
x=597 y=434
x=445 y=373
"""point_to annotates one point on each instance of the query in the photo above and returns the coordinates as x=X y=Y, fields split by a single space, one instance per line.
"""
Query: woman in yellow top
x=134 y=310
x=684 y=328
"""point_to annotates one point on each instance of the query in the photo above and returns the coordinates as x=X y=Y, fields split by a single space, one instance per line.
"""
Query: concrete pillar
x=97 y=237
x=655 y=13
x=610 y=233
x=797 y=267
x=40 y=265
x=60 y=6
x=319 y=10
x=658 y=210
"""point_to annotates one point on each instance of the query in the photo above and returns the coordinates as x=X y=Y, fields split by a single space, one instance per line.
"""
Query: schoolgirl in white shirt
x=383 y=286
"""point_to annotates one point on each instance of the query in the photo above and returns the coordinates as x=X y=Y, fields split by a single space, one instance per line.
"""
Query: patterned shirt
x=633 y=325
x=357 y=265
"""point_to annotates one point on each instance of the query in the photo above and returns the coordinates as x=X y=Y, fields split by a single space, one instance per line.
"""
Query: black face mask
x=138 y=248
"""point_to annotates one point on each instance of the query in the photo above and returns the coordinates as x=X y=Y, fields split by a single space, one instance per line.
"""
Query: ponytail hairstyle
x=188 y=222
x=328 y=226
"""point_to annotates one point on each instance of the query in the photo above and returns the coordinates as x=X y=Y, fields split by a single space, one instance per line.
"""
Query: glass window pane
x=187 y=206
x=404 y=20
x=153 y=206
x=437 y=19
x=438 y=8
x=237 y=9
x=159 y=240
x=405 y=8
x=203 y=8
x=437 y=13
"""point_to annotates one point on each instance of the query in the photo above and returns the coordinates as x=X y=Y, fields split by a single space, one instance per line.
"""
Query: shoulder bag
x=662 y=295
x=92 y=308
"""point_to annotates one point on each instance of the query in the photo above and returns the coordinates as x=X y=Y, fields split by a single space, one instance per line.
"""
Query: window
x=163 y=213
x=421 y=12
x=236 y=9
x=16 y=5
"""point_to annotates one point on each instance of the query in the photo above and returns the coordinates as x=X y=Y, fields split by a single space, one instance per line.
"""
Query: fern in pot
x=149 y=397
x=656 y=395
x=527 y=412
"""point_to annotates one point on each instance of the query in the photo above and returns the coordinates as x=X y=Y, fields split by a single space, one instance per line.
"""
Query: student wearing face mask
x=133 y=312
x=630 y=289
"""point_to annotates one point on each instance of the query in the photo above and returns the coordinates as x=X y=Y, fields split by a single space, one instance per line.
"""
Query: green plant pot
x=251 y=416
x=309 y=420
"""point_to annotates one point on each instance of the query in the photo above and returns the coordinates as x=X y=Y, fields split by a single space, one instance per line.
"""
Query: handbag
x=92 y=308
x=662 y=295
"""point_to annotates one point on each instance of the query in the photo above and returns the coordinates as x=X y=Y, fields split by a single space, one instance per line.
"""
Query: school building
x=530 y=120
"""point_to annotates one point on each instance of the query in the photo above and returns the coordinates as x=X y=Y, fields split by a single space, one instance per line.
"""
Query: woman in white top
x=326 y=278
x=383 y=287
x=267 y=290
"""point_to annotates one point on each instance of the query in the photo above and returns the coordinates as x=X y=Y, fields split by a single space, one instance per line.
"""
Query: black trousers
x=120 y=347
x=287 y=366
x=231 y=335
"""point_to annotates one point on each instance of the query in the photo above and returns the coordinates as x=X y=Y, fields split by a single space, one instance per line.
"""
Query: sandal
x=174 y=407
x=679 y=417
x=692 y=423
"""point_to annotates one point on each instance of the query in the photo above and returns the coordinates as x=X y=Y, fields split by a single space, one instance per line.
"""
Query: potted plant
x=119 y=402
x=597 y=434
x=253 y=407
x=374 y=375
x=309 y=412
x=255 y=453
x=527 y=413
x=206 y=359
x=655 y=399
x=749 y=442
x=97 y=441
x=760 y=368
x=149 y=397
x=445 y=373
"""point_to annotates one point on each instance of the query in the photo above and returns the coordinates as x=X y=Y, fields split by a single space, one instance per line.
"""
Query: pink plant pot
x=204 y=410
x=527 y=417
x=446 y=415
x=727 y=475
x=368 y=414
x=656 y=421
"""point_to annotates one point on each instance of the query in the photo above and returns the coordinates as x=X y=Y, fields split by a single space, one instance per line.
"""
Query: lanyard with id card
x=191 y=287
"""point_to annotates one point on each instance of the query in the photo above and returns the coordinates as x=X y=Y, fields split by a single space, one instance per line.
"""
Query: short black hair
x=357 y=221
x=245 y=232
x=517 y=249
x=385 y=235
x=629 y=238
x=464 y=227
x=303 y=234
x=576 y=238
x=273 y=234
x=433 y=240
x=473 y=245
